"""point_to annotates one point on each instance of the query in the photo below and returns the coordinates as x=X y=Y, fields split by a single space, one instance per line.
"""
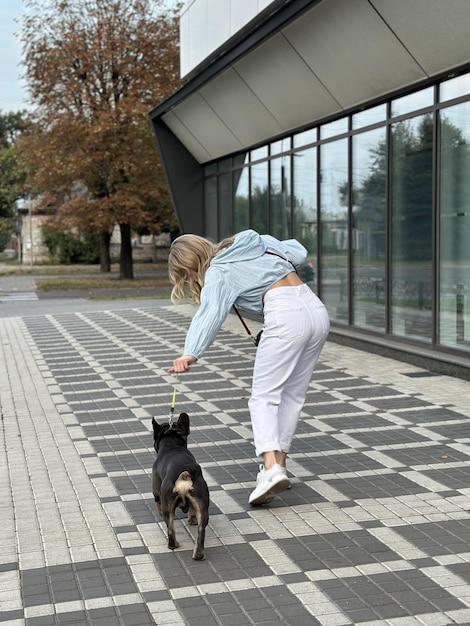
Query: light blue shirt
x=239 y=275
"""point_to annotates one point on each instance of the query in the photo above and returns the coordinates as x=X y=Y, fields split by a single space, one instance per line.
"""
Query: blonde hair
x=190 y=256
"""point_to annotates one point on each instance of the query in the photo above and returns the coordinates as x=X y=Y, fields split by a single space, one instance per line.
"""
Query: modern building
x=345 y=124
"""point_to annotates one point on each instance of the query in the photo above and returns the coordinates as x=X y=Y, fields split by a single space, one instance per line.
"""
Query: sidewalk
x=375 y=529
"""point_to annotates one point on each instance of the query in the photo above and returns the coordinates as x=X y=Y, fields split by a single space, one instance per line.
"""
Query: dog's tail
x=183 y=484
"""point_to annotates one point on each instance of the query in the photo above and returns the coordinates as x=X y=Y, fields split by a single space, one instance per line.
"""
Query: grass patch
x=91 y=283
x=84 y=270
x=90 y=278
x=124 y=297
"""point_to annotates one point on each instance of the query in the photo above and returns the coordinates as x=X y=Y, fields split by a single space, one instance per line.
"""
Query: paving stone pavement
x=375 y=529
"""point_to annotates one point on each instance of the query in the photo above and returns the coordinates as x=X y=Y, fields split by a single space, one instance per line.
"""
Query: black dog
x=177 y=481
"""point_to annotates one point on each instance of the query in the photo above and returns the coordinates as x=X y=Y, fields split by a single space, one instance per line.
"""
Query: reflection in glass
x=305 y=211
x=259 y=197
x=210 y=169
x=369 y=116
x=225 y=164
x=259 y=153
x=241 y=159
x=338 y=127
x=305 y=138
x=369 y=170
x=455 y=88
x=225 y=206
x=454 y=227
x=413 y=102
x=280 y=146
x=280 y=197
x=411 y=245
x=210 y=209
x=241 y=201
x=334 y=228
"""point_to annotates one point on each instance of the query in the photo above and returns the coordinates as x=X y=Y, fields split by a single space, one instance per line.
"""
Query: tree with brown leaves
x=94 y=70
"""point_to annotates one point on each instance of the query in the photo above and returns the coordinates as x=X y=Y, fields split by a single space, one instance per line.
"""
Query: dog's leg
x=156 y=488
x=168 y=514
x=192 y=516
x=201 y=518
x=158 y=504
x=198 y=553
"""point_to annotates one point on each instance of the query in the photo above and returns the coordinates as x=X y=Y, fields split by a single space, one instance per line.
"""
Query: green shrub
x=69 y=248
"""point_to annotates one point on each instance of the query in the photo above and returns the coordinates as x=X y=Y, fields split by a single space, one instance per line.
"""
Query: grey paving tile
x=375 y=527
x=49 y=620
x=431 y=414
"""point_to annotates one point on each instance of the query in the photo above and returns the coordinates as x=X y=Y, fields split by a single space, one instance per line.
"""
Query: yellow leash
x=173 y=400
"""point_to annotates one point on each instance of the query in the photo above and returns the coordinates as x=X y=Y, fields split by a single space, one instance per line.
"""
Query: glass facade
x=305 y=209
x=369 y=232
x=334 y=231
x=411 y=228
x=380 y=200
x=280 y=197
x=242 y=198
x=454 y=227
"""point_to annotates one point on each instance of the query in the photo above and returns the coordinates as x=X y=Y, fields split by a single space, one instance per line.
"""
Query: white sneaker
x=284 y=471
x=268 y=484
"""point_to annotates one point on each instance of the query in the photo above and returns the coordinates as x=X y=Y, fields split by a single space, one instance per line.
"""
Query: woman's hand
x=182 y=364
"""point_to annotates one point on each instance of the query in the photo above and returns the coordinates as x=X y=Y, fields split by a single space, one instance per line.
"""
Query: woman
x=256 y=273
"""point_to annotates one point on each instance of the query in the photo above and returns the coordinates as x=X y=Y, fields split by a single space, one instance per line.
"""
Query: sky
x=13 y=91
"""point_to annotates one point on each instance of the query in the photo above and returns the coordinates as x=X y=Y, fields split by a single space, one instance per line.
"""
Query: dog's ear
x=156 y=428
x=183 y=423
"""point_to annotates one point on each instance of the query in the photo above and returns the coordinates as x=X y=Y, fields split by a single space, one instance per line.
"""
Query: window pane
x=210 y=209
x=259 y=153
x=334 y=228
x=368 y=236
x=210 y=169
x=259 y=197
x=242 y=193
x=225 y=206
x=241 y=159
x=455 y=88
x=412 y=228
x=280 y=198
x=369 y=117
x=413 y=102
x=454 y=227
x=305 y=211
x=280 y=146
x=305 y=138
x=338 y=127
x=225 y=164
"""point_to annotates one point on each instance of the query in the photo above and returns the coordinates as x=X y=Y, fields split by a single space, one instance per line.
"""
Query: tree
x=94 y=69
x=10 y=182
x=12 y=125
x=369 y=202
x=454 y=191
x=411 y=188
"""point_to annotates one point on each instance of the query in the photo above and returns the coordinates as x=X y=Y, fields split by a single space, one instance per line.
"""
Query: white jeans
x=296 y=327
